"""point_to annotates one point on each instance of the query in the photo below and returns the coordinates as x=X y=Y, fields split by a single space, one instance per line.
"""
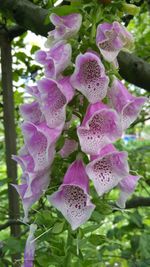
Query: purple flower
x=32 y=188
x=31 y=112
x=107 y=169
x=33 y=90
x=100 y=127
x=89 y=77
x=54 y=98
x=127 y=187
x=25 y=160
x=30 y=248
x=72 y=198
x=40 y=141
x=69 y=147
x=56 y=60
x=111 y=38
x=127 y=106
x=65 y=27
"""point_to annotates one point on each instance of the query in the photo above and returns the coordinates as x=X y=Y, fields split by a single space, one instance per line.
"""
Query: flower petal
x=127 y=187
x=33 y=187
x=67 y=88
x=73 y=203
x=66 y=27
x=107 y=170
x=89 y=77
x=126 y=105
x=69 y=147
x=31 y=112
x=72 y=198
x=30 y=247
x=33 y=90
x=111 y=38
x=40 y=141
x=53 y=102
x=100 y=129
x=55 y=60
x=26 y=162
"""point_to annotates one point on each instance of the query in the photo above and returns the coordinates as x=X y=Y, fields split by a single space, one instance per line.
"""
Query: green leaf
x=58 y=227
x=91 y=228
x=97 y=239
x=34 y=49
x=21 y=56
x=45 y=218
x=144 y=247
x=103 y=207
x=60 y=143
x=13 y=245
x=64 y=10
x=3 y=181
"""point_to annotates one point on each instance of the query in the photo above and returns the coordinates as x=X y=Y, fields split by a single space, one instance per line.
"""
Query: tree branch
x=138 y=202
x=26 y=14
x=15 y=31
x=10 y=223
x=31 y=17
x=135 y=70
x=140 y=121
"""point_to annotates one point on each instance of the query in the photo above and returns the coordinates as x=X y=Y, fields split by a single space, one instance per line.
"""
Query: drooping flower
x=127 y=187
x=89 y=77
x=65 y=27
x=40 y=141
x=72 y=198
x=127 y=105
x=111 y=38
x=54 y=98
x=69 y=147
x=25 y=160
x=100 y=127
x=30 y=248
x=32 y=187
x=107 y=169
x=55 y=60
x=31 y=112
x=33 y=91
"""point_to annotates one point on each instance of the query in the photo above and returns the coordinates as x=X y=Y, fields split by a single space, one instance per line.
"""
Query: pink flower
x=40 y=141
x=127 y=106
x=111 y=38
x=89 y=77
x=107 y=169
x=100 y=127
x=25 y=160
x=55 y=60
x=30 y=248
x=127 y=187
x=69 y=147
x=65 y=27
x=72 y=198
x=33 y=90
x=54 y=98
x=32 y=188
x=31 y=112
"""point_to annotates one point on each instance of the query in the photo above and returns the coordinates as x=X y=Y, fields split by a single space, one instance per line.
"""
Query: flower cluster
x=44 y=118
x=102 y=125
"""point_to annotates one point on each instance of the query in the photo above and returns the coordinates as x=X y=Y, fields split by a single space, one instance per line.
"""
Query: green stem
x=67 y=261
